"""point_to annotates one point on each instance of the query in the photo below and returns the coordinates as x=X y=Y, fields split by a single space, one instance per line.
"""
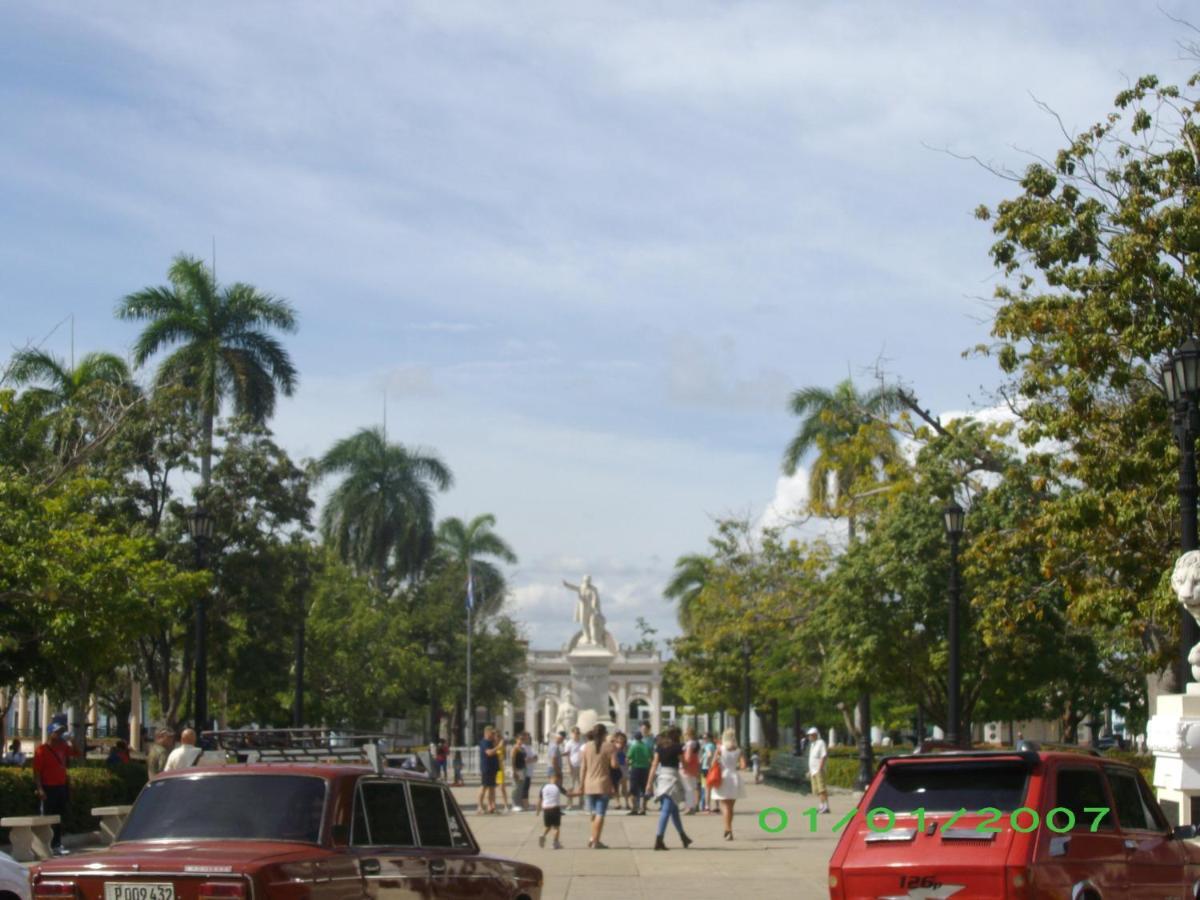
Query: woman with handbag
x=668 y=785
x=725 y=779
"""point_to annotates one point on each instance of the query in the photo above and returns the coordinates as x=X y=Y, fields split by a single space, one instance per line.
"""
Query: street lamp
x=1181 y=384
x=954 y=519
x=200 y=527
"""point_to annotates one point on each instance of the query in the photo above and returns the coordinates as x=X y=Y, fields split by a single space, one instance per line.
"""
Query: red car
x=1011 y=824
x=286 y=832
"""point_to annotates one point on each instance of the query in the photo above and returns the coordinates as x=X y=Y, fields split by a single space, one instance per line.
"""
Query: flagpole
x=469 y=712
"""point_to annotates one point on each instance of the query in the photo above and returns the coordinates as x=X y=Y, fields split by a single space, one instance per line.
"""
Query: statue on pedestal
x=587 y=611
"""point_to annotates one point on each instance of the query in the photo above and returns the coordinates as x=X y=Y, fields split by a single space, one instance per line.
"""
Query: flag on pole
x=470 y=591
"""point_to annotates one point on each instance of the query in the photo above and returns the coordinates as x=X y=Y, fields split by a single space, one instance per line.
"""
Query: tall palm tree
x=224 y=346
x=687 y=581
x=465 y=544
x=380 y=517
x=829 y=418
x=60 y=391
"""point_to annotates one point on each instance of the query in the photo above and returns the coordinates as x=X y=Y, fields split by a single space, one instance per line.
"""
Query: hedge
x=90 y=786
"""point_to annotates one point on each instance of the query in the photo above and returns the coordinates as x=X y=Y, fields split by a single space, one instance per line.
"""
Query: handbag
x=713 y=778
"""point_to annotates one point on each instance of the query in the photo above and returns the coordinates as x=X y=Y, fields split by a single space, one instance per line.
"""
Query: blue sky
x=587 y=248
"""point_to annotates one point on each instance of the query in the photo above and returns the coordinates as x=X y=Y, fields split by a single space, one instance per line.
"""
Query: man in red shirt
x=50 y=778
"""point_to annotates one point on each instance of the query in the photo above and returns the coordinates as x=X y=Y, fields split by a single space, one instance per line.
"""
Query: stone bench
x=789 y=772
x=30 y=836
x=111 y=819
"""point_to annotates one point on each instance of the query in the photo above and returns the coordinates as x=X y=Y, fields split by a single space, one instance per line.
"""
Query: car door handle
x=370 y=867
x=1130 y=844
x=437 y=867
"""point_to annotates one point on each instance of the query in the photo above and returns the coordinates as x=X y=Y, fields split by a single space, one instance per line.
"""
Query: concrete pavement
x=790 y=864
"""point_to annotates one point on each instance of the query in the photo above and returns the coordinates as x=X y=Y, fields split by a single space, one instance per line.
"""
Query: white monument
x=1173 y=733
x=590 y=659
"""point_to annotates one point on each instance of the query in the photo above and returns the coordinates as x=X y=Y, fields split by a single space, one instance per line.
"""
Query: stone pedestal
x=1173 y=736
x=590 y=667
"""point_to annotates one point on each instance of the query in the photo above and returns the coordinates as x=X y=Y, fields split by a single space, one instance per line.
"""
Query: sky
x=584 y=251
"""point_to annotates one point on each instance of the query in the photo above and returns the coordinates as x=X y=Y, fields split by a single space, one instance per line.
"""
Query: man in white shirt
x=818 y=753
x=574 y=753
x=186 y=755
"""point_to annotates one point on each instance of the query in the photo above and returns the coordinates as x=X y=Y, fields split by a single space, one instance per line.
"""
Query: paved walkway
x=790 y=864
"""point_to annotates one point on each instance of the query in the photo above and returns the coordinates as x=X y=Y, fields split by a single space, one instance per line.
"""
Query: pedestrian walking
x=550 y=806
x=521 y=771
x=708 y=753
x=668 y=786
x=621 y=773
x=554 y=756
x=689 y=772
x=818 y=754
x=156 y=759
x=441 y=756
x=501 y=780
x=729 y=761
x=756 y=765
x=489 y=764
x=458 y=767
x=186 y=755
x=50 y=780
x=573 y=749
x=639 y=755
x=596 y=765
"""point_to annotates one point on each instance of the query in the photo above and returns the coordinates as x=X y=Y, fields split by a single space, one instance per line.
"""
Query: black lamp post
x=954 y=518
x=1181 y=384
x=200 y=527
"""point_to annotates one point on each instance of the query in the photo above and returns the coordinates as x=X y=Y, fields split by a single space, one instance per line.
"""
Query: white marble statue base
x=590 y=666
x=1173 y=736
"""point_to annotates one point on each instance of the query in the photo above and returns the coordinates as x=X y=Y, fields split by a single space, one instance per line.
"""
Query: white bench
x=111 y=819
x=30 y=836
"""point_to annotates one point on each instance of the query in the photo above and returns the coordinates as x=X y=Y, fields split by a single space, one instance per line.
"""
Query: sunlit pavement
x=791 y=863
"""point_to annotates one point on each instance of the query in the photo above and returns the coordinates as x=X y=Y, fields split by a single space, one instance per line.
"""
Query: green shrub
x=90 y=786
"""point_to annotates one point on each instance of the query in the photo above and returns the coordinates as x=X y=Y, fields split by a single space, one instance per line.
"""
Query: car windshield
x=229 y=807
x=946 y=786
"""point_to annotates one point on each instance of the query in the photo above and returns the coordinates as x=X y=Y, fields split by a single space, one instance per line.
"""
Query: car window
x=229 y=806
x=1131 y=807
x=437 y=825
x=1156 y=813
x=1080 y=790
x=381 y=815
x=950 y=786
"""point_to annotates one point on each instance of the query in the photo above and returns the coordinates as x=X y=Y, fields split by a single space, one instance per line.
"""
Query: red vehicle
x=286 y=832
x=1016 y=825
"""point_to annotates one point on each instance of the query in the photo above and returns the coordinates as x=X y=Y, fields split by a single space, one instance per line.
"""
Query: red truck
x=290 y=832
x=1024 y=825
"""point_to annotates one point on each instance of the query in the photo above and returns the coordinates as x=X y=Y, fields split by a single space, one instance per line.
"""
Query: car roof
x=1030 y=757
x=328 y=771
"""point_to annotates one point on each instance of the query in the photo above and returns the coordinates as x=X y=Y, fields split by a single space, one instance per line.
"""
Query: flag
x=470 y=592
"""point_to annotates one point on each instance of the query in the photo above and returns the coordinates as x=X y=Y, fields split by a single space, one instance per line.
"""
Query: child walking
x=550 y=806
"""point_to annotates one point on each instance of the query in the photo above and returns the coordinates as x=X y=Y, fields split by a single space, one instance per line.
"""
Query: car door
x=383 y=840
x=456 y=871
x=1154 y=858
x=1092 y=852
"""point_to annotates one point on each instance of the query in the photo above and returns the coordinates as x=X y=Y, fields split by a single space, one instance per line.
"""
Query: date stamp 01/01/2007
x=880 y=820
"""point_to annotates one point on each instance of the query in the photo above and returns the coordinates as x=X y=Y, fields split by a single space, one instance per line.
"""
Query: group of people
x=681 y=772
x=165 y=756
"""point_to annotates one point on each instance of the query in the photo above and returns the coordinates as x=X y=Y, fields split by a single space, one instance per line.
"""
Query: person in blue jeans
x=668 y=786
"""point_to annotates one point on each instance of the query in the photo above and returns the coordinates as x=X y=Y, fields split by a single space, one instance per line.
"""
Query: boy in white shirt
x=550 y=806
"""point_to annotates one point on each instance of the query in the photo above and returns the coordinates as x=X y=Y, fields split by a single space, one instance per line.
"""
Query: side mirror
x=1184 y=832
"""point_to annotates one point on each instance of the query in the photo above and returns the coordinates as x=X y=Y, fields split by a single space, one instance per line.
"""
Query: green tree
x=687 y=581
x=466 y=545
x=379 y=518
x=224 y=345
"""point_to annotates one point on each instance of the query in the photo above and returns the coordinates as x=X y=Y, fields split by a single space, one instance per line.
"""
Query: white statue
x=1185 y=581
x=587 y=611
x=566 y=713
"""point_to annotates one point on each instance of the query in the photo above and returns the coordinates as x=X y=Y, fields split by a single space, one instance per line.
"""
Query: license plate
x=138 y=891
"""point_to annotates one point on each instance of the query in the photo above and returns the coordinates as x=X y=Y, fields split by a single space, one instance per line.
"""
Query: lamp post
x=200 y=527
x=954 y=518
x=303 y=581
x=1181 y=384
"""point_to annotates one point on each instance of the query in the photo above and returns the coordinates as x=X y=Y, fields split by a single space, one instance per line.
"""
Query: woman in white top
x=729 y=757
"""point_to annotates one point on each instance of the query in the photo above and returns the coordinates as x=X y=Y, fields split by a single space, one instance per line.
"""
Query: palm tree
x=61 y=392
x=828 y=420
x=380 y=517
x=224 y=344
x=465 y=545
x=687 y=581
